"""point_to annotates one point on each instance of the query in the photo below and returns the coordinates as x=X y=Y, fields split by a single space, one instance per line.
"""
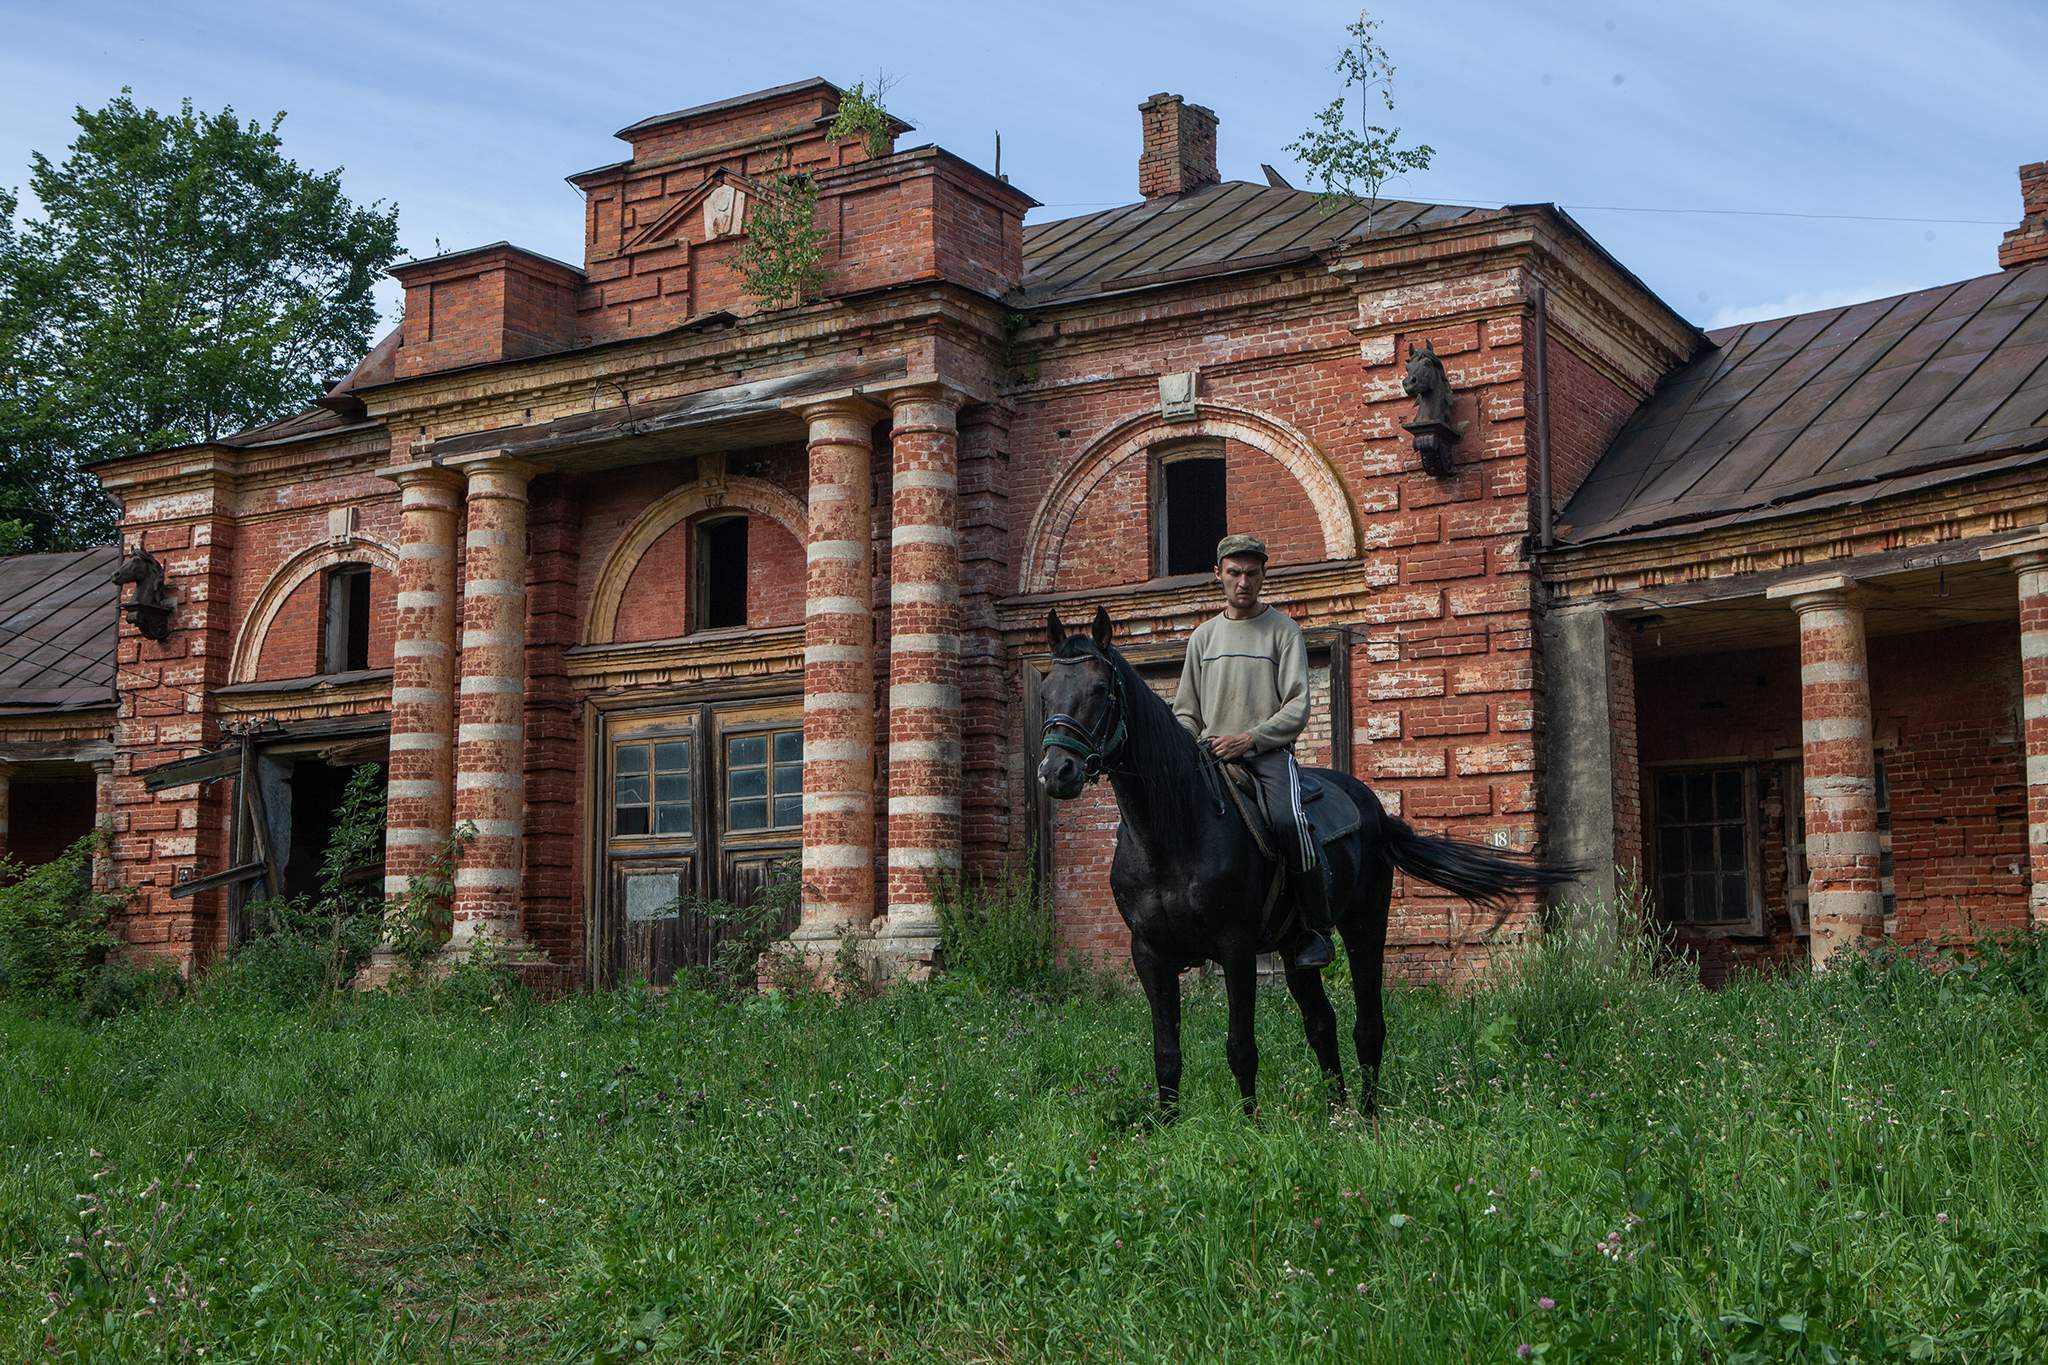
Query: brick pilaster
x=839 y=672
x=1845 y=891
x=490 y=735
x=420 y=791
x=985 y=578
x=924 y=660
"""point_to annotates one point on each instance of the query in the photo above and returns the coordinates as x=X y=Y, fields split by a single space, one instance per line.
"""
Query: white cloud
x=1801 y=301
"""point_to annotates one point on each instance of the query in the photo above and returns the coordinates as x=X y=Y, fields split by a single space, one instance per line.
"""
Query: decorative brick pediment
x=713 y=211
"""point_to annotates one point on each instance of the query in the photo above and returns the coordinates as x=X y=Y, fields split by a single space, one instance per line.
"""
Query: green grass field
x=1581 y=1166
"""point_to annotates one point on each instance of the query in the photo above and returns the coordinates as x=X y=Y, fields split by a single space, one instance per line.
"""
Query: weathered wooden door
x=700 y=802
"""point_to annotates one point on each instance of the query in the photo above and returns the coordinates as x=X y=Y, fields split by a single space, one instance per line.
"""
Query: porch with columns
x=460 y=753
x=1885 y=722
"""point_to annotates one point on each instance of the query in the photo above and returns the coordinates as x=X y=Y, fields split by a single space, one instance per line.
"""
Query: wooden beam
x=180 y=771
x=233 y=876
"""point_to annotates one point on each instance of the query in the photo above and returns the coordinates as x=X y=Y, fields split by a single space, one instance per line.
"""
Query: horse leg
x=1319 y=1022
x=1162 y=992
x=1241 y=987
x=1365 y=942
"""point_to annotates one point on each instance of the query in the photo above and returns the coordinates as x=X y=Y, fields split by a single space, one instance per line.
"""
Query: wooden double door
x=696 y=804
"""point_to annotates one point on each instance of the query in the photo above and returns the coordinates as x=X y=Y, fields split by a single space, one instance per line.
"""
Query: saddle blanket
x=1332 y=814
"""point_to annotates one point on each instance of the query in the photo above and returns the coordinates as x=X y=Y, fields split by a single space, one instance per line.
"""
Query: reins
x=1096 y=750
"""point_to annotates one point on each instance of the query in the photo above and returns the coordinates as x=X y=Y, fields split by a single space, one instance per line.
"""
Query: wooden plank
x=233 y=876
x=259 y=833
x=238 y=845
x=179 y=772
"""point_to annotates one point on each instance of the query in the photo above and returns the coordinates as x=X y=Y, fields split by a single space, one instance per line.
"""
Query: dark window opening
x=1703 y=846
x=1189 y=514
x=345 y=646
x=316 y=790
x=722 y=573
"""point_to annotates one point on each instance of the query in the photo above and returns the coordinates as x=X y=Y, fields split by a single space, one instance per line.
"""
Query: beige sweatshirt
x=1245 y=677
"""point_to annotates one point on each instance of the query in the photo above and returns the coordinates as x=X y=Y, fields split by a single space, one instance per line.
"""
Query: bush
x=998 y=931
x=53 y=924
x=748 y=931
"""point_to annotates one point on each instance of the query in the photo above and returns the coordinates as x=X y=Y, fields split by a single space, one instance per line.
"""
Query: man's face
x=1242 y=576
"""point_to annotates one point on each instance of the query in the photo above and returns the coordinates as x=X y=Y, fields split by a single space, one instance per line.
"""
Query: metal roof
x=58 y=624
x=1831 y=408
x=1216 y=230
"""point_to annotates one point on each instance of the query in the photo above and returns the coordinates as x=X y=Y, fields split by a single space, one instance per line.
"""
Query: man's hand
x=1228 y=747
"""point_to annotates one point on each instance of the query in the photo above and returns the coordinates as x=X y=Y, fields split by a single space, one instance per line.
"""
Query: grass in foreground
x=1586 y=1165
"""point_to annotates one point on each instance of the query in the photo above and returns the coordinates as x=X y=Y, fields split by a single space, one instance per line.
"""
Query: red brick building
x=655 y=586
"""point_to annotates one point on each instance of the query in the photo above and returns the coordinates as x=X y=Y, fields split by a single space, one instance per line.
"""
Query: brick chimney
x=1180 y=147
x=2028 y=242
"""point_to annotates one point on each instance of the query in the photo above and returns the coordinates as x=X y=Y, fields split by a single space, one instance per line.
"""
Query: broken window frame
x=1747 y=821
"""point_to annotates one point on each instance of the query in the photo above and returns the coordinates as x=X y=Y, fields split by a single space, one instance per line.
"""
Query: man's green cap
x=1239 y=545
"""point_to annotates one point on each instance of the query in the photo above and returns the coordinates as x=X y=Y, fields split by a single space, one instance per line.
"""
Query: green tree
x=1356 y=165
x=185 y=280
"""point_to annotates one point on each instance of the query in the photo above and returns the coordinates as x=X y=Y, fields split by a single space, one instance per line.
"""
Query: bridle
x=1095 y=747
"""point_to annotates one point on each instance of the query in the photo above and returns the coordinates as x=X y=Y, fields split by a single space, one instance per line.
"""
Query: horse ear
x=1100 y=627
x=1412 y=353
x=1054 y=631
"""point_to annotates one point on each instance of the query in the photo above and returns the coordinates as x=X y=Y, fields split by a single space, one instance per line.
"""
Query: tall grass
x=1593 y=1158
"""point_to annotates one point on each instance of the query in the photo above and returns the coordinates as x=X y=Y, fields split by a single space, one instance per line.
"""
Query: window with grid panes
x=651 y=788
x=1703 y=837
x=764 y=780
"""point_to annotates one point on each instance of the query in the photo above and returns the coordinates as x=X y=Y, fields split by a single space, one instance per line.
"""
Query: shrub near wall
x=53 y=925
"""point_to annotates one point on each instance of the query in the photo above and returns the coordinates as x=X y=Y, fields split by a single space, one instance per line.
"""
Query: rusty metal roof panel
x=1216 y=230
x=1789 y=413
x=58 y=624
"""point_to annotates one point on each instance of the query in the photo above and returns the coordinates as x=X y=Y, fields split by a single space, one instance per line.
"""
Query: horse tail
x=1488 y=877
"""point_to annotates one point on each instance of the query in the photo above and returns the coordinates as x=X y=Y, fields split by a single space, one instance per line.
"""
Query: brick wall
x=1945 y=716
x=1587 y=410
x=292 y=645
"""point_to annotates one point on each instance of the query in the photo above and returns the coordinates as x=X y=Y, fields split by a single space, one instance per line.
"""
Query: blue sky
x=468 y=115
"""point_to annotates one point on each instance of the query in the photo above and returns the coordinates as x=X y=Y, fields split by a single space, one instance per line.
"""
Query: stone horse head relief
x=149 y=607
x=1430 y=387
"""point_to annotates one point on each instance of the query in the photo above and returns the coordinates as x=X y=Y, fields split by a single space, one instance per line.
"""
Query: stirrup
x=1315 y=954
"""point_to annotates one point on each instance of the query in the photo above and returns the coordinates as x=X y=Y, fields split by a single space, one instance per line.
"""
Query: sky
x=1746 y=159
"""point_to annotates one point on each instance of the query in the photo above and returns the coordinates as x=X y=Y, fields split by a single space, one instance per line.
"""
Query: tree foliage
x=861 y=114
x=1353 y=165
x=185 y=280
x=779 y=262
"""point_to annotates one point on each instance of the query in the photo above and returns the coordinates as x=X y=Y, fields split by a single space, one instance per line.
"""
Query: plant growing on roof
x=1354 y=165
x=862 y=115
x=778 y=263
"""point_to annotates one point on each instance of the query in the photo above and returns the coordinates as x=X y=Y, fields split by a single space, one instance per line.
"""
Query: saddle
x=1331 y=814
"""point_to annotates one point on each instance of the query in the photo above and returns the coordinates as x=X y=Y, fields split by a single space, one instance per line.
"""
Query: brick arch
x=1135 y=436
x=663 y=515
x=248 y=652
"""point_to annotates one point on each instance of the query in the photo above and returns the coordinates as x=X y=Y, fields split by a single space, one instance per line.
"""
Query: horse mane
x=1158 y=750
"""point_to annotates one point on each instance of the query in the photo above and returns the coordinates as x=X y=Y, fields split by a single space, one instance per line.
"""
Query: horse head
x=1084 y=710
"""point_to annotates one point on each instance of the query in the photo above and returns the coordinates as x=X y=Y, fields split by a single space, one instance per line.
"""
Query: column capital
x=2020 y=555
x=850 y=405
x=421 y=474
x=1821 y=592
x=493 y=463
x=940 y=392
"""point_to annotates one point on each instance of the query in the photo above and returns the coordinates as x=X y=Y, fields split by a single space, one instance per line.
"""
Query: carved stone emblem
x=1427 y=384
x=725 y=212
x=1177 y=396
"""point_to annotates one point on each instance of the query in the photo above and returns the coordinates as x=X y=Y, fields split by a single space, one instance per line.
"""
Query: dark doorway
x=316 y=792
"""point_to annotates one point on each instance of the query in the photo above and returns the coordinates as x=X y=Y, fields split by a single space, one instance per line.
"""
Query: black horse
x=1191 y=883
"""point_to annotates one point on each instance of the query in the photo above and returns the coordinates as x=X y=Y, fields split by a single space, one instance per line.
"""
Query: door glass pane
x=630 y=820
x=750 y=814
x=630 y=758
x=672 y=819
x=1699 y=796
x=746 y=782
x=789 y=746
x=746 y=749
x=630 y=789
x=672 y=787
x=1671 y=796
x=673 y=757
x=789 y=811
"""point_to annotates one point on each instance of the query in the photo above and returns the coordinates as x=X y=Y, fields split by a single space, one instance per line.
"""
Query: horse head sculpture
x=149 y=608
x=1430 y=387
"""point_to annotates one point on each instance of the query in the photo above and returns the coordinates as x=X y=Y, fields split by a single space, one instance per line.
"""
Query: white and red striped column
x=839 y=673
x=924 y=661
x=490 y=733
x=421 y=779
x=2029 y=560
x=1845 y=890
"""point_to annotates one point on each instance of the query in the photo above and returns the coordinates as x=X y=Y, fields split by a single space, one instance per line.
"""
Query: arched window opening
x=721 y=573
x=1189 y=514
x=345 y=619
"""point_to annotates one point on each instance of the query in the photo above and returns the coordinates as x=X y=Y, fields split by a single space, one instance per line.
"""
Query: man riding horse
x=1244 y=696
